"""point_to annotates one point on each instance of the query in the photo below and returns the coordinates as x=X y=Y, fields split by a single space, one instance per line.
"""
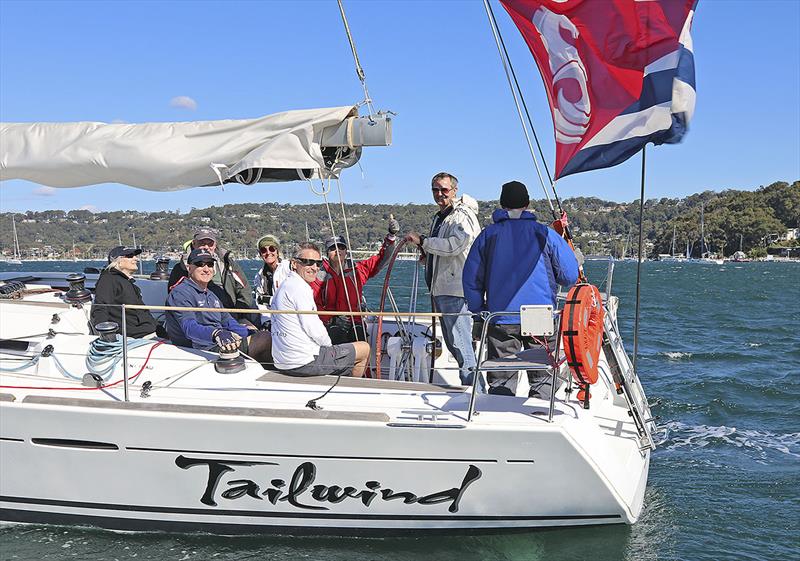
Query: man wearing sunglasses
x=341 y=286
x=229 y=282
x=271 y=274
x=209 y=330
x=116 y=286
x=453 y=229
x=301 y=344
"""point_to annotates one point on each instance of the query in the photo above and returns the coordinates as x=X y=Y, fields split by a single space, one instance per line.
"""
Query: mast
x=17 y=252
x=702 y=232
x=674 y=229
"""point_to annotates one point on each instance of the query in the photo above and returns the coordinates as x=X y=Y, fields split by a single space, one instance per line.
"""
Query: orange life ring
x=582 y=334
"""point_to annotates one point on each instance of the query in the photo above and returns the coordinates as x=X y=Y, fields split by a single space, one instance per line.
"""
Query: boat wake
x=680 y=435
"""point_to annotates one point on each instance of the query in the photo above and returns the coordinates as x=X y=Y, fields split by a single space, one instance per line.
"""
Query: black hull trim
x=316 y=515
x=330 y=529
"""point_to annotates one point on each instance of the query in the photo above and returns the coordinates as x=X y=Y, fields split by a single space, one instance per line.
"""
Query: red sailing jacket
x=329 y=291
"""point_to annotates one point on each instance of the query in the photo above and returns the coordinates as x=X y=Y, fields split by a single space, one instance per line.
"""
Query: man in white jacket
x=300 y=343
x=453 y=229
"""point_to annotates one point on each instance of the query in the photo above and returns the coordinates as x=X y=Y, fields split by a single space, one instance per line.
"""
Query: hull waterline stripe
x=310 y=515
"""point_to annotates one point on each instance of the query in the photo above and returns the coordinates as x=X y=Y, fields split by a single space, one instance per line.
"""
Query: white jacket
x=259 y=290
x=448 y=251
x=296 y=338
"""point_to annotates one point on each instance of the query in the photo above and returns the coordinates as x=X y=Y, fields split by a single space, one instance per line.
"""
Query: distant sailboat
x=672 y=256
x=16 y=259
x=705 y=256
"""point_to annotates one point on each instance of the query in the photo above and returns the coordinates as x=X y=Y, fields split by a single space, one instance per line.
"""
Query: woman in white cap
x=272 y=273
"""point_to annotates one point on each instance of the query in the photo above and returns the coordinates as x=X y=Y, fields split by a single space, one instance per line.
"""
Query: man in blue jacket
x=513 y=262
x=209 y=330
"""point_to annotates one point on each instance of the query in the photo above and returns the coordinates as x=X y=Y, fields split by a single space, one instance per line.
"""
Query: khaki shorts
x=338 y=359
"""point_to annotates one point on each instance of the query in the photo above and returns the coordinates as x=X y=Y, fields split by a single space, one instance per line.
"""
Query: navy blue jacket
x=515 y=262
x=194 y=329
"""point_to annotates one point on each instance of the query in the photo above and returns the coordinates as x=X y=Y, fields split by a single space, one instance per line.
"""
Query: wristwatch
x=422 y=238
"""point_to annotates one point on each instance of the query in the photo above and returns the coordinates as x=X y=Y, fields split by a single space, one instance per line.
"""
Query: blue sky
x=433 y=63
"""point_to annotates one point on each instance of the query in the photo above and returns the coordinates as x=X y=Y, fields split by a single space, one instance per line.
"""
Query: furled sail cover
x=172 y=156
x=618 y=74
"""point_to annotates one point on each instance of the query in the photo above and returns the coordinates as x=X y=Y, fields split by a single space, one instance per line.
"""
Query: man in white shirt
x=300 y=343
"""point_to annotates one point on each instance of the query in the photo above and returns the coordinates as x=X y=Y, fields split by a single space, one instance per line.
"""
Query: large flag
x=618 y=74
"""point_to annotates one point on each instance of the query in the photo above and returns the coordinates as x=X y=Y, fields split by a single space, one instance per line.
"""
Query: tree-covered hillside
x=760 y=217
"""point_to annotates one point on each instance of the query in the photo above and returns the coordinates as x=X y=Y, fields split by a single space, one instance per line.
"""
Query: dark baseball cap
x=121 y=251
x=199 y=255
x=333 y=241
x=205 y=234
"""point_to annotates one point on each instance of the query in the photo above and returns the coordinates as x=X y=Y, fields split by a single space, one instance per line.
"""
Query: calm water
x=719 y=352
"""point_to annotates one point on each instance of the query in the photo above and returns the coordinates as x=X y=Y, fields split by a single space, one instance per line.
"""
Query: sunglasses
x=270 y=249
x=442 y=190
x=308 y=262
x=338 y=246
x=209 y=264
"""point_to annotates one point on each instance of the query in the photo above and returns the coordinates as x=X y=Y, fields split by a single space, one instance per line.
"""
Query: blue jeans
x=457 y=333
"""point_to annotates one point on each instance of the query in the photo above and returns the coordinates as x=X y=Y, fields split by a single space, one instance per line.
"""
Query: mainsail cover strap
x=172 y=156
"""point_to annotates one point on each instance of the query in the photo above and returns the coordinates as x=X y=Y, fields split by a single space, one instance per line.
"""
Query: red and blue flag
x=618 y=74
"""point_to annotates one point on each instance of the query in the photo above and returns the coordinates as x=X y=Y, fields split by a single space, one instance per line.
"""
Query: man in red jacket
x=337 y=273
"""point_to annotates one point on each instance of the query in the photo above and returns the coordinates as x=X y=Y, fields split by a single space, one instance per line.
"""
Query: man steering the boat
x=340 y=285
x=229 y=282
x=516 y=261
x=301 y=344
x=453 y=229
x=209 y=330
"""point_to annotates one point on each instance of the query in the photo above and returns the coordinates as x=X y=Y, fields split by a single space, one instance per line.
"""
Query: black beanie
x=514 y=195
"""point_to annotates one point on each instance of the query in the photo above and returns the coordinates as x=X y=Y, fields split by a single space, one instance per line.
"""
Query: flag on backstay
x=618 y=74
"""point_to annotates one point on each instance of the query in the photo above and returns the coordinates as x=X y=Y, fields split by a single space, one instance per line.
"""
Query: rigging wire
x=506 y=60
x=639 y=265
x=525 y=107
x=506 y=63
x=362 y=77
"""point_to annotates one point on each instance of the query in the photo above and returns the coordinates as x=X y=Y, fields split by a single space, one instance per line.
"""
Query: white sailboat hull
x=243 y=453
x=143 y=469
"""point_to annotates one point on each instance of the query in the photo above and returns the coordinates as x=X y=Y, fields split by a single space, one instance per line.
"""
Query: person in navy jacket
x=210 y=330
x=516 y=261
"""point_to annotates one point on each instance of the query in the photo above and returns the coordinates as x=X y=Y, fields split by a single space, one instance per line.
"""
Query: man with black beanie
x=516 y=261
